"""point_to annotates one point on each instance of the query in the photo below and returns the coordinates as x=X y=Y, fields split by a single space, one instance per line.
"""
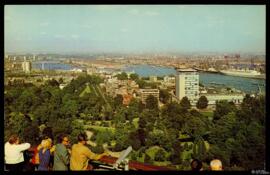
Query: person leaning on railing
x=81 y=154
x=14 y=153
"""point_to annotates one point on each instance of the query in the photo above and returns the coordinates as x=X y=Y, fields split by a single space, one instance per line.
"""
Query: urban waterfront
x=140 y=87
x=247 y=85
x=52 y=66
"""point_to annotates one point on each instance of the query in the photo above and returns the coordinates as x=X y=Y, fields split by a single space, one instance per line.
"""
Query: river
x=247 y=85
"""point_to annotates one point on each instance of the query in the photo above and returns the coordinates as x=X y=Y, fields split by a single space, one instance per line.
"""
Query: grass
x=136 y=122
x=165 y=163
x=186 y=154
x=101 y=128
x=208 y=114
x=152 y=151
x=86 y=90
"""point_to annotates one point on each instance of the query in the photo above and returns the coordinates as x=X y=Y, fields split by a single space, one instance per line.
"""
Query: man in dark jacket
x=61 y=154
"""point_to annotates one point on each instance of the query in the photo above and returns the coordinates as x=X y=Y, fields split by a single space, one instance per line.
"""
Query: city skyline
x=135 y=28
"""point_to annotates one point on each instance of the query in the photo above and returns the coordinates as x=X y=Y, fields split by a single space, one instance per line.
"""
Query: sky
x=134 y=28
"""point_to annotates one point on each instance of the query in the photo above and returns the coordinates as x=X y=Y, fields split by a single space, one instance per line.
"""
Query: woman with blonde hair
x=44 y=155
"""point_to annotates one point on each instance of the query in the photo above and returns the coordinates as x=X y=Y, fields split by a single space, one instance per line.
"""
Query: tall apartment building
x=187 y=83
x=146 y=92
x=26 y=66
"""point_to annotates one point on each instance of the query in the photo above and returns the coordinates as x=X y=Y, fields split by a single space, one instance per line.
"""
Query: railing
x=107 y=162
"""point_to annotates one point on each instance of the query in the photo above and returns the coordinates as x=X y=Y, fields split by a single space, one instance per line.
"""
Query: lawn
x=100 y=128
x=208 y=114
x=86 y=90
x=136 y=122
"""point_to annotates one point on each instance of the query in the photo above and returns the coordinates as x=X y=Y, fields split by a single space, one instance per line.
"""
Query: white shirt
x=14 y=152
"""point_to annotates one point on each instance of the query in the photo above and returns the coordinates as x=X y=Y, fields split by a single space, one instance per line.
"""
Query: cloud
x=107 y=7
x=7 y=18
x=74 y=36
x=151 y=13
x=142 y=13
x=18 y=39
x=214 y=21
x=249 y=33
x=182 y=7
x=59 y=36
x=134 y=12
x=43 y=24
x=87 y=26
x=124 y=30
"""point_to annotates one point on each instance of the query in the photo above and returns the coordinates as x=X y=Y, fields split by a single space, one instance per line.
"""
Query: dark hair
x=13 y=138
x=82 y=137
x=196 y=165
x=61 y=137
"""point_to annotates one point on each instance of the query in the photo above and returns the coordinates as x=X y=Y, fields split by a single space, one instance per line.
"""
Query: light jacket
x=80 y=155
x=14 y=152
x=61 y=158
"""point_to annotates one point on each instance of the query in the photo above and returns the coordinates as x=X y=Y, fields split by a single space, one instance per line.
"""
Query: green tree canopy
x=164 y=96
x=185 y=103
x=122 y=76
x=223 y=107
x=134 y=76
x=151 y=102
x=202 y=102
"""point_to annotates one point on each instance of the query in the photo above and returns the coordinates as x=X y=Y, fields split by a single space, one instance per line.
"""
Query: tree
x=147 y=159
x=118 y=100
x=76 y=129
x=52 y=82
x=142 y=84
x=16 y=123
x=223 y=107
x=202 y=102
x=134 y=140
x=134 y=76
x=174 y=115
x=122 y=76
x=185 y=103
x=175 y=157
x=164 y=96
x=151 y=102
x=103 y=137
x=48 y=132
x=160 y=155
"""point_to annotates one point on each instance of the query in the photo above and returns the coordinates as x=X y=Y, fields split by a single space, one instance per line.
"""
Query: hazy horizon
x=75 y=29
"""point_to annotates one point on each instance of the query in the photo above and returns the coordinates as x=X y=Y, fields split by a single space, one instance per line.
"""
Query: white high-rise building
x=26 y=66
x=187 y=83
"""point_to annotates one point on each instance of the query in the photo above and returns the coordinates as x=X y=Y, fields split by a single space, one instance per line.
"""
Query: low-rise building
x=236 y=98
x=153 y=78
x=146 y=92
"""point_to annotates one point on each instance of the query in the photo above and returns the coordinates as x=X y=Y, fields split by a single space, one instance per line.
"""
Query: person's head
x=216 y=165
x=46 y=143
x=196 y=165
x=14 y=139
x=63 y=138
x=82 y=138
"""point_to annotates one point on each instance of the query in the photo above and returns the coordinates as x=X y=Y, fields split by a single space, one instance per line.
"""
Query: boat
x=241 y=73
x=210 y=70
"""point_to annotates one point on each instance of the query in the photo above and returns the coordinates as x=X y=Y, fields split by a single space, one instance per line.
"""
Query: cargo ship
x=209 y=70
x=242 y=73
